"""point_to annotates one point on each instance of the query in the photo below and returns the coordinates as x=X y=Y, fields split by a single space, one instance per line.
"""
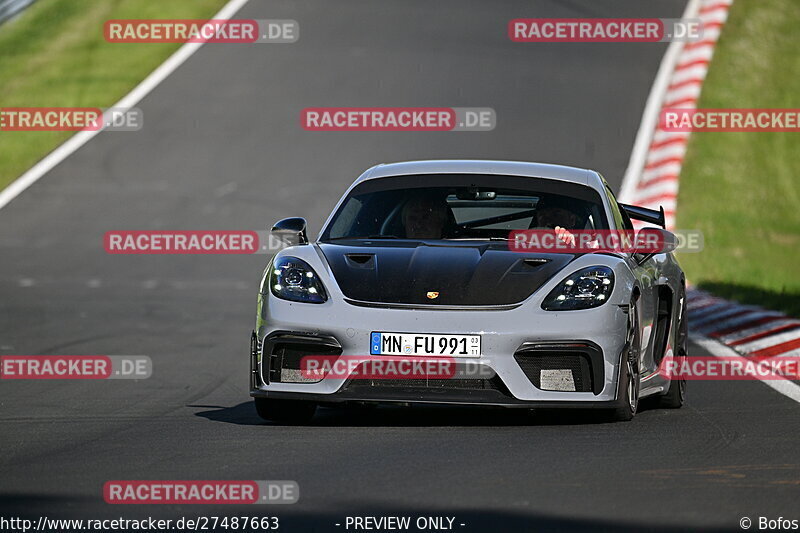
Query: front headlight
x=584 y=289
x=294 y=279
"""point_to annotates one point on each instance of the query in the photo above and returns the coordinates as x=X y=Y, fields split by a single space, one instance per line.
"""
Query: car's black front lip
x=477 y=398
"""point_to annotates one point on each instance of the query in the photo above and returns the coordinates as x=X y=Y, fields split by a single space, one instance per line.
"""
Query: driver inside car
x=425 y=216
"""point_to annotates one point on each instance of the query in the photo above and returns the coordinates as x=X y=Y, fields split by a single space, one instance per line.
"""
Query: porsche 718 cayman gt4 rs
x=416 y=262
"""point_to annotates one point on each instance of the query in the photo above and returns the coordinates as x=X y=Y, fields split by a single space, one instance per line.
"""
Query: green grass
x=54 y=54
x=743 y=189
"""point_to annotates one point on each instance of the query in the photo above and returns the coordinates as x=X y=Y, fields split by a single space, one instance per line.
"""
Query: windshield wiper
x=361 y=238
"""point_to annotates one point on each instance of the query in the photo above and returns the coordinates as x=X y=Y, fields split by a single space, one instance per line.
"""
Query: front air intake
x=283 y=352
x=567 y=367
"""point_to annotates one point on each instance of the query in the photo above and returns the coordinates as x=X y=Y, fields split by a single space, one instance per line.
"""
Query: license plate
x=425 y=344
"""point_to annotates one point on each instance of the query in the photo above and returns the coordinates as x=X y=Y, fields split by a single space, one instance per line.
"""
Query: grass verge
x=743 y=189
x=54 y=55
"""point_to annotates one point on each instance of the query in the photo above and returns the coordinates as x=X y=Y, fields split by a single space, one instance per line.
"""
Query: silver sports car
x=417 y=263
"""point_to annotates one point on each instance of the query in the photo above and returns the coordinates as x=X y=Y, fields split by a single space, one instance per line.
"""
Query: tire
x=292 y=412
x=628 y=387
x=676 y=394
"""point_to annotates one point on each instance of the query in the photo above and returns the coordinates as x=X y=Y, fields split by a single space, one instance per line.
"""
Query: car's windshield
x=472 y=207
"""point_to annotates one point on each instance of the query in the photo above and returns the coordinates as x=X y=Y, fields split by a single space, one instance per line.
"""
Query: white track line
x=783 y=386
x=131 y=99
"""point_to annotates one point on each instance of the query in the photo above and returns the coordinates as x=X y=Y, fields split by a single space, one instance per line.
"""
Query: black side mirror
x=655 y=241
x=290 y=231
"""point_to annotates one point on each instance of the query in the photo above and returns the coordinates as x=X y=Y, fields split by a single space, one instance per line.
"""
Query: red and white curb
x=651 y=179
x=730 y=330
x=722 y=327
x=749 y=330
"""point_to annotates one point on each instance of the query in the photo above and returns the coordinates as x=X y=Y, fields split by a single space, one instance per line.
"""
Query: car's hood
x=463 y=274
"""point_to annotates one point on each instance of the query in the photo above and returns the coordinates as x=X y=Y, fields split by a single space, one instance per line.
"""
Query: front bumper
x=345 y=329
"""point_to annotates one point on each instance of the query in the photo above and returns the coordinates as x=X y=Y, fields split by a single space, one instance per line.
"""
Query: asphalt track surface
x=222 y=149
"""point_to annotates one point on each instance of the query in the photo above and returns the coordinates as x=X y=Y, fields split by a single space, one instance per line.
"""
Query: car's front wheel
x=285 y=411
x=676 y=394
x=629 y=370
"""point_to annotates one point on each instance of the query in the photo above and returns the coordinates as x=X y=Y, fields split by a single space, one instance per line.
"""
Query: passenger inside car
x=559 y=215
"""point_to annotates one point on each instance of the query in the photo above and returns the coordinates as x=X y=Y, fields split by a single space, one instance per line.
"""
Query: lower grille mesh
x=284 y=353
x=565 y=372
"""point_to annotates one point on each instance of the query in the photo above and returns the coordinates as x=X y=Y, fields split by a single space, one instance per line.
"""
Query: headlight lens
x=587 y=288
x=294 y=279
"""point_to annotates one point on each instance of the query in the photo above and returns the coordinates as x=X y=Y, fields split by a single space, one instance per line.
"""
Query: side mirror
x=670 y=241
x=290 y=231
x=652 y=241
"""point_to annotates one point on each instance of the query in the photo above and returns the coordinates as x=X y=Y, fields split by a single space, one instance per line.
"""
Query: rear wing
x=650 y=216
